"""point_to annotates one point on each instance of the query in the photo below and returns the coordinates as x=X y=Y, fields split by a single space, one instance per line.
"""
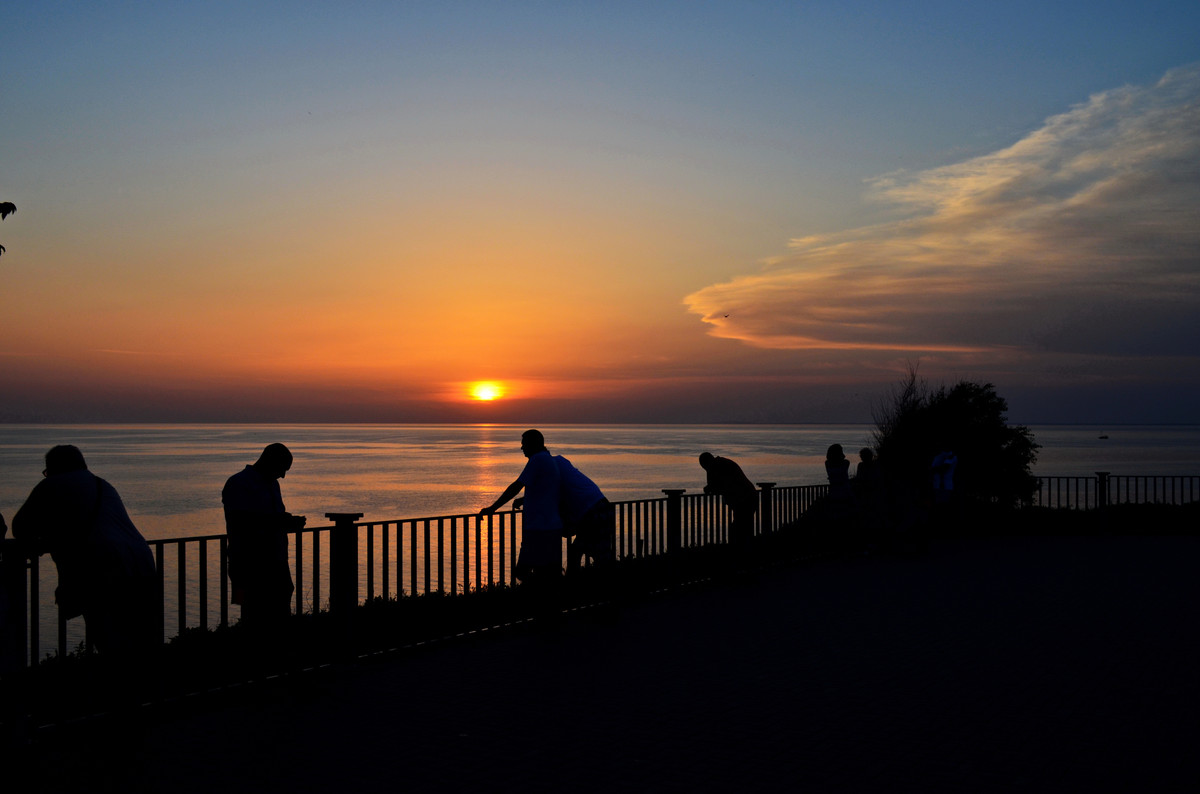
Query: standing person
x=942 y=469
x=105 y=569
x=837 y=469
x=727 y=479
x=869 y=494
x=868 y=468
x=257 y=524
x=539 y=561
x=588 y=517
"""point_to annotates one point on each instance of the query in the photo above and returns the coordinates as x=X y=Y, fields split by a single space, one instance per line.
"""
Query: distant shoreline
x=420 y=423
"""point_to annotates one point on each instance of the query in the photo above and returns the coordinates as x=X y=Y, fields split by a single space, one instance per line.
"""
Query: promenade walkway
x=1019 y=664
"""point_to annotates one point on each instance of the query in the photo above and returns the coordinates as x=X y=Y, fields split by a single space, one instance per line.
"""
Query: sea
x=170 y=476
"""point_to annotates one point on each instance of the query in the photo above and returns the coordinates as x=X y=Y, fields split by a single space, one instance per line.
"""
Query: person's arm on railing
x=241 y=520
x=509 y=492
x=48 y=517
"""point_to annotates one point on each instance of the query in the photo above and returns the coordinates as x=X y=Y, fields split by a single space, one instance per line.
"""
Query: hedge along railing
x=1089 y=493
x=339 y=564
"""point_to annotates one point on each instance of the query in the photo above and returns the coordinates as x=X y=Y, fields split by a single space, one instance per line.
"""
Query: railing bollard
x=766 y=517
x=674 y=519
x=1101 y=489
x=343 y=562
x=14 y=621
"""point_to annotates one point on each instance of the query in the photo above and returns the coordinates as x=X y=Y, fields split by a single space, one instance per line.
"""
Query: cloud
x=1081 y=238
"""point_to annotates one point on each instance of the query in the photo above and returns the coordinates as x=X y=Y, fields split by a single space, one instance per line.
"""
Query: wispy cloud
x=1083 y=237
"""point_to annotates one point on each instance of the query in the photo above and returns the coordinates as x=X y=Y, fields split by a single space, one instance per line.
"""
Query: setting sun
x=486 y=390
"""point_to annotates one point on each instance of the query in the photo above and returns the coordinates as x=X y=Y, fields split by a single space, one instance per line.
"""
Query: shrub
x=914 y=423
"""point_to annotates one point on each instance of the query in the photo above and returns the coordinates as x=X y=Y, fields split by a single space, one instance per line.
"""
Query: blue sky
x=355 y=210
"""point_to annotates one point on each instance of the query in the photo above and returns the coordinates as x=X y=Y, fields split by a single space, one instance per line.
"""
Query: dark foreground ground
x=1006 y=664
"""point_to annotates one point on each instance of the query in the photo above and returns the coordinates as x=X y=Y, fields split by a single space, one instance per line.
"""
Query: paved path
x=1053 y=664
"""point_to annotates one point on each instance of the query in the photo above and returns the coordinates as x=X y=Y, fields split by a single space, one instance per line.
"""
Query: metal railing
x=1078 y=493
x=1161 y=489
x=1103 y=489
x=340 y=564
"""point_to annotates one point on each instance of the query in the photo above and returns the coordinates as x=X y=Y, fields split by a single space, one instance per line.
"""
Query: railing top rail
x=654 y=499
x=444 y=517
x=1113 y=477
x=1155 y=476
x=187 y=539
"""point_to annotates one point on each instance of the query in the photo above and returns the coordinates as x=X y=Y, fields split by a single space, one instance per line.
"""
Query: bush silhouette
x=915 y=423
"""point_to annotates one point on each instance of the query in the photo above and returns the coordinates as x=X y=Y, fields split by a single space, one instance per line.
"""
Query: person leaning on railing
x=588 y=517
x=540 y=557
x=726 y=478
x=12 y=633
x=106 y=571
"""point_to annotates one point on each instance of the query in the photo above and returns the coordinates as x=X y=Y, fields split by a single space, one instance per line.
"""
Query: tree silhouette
x=915 y=423
x=6 y=208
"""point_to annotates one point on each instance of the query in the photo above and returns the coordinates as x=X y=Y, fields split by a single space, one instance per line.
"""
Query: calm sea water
x=170 y=476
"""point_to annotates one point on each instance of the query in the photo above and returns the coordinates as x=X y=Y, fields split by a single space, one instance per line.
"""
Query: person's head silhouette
x=62 y=459
x=274 y=461
x=532 y=442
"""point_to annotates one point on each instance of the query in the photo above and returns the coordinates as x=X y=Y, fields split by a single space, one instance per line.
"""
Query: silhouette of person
x=869 y=494
x=837 y=468
x=726 y=478
x=539 y=560
x=868 y=477
x=12 y=580
x=258 y=524
x=942 y=469
x=106 y=571
x=867 y=469
x=588 y=517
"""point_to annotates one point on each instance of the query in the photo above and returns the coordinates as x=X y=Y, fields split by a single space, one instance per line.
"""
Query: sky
x=612 y=212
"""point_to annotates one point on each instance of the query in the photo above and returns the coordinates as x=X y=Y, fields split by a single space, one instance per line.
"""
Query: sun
x=486 y=390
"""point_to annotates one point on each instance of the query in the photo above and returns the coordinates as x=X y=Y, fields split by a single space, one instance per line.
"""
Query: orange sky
x=754 y=218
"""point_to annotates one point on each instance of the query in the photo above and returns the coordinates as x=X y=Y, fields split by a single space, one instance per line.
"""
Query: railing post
x=14 y=623
x=766 y=517
x=1101 y=489
x=343 y=562
x=674 y=519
